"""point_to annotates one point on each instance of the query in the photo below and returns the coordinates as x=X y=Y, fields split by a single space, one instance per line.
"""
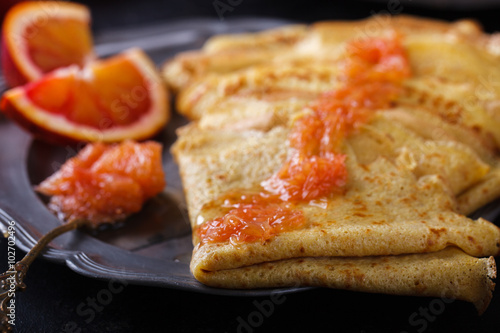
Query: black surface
x=59 y=300
x=119 y=13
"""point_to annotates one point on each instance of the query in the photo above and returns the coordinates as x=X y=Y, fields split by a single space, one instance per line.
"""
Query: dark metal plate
x=152 y=247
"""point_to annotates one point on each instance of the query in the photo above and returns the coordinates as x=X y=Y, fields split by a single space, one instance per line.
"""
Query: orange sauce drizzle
x=251 y=218
x=372 y=75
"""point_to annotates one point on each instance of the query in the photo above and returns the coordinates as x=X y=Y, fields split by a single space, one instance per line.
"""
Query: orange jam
x=381 y=59
x=252 y=218
x=372 y=75
x=104 y=183
x=305 y=178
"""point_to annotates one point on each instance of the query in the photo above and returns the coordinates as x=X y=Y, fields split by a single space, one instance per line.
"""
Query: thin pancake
x=448 y=273
x=413 y=168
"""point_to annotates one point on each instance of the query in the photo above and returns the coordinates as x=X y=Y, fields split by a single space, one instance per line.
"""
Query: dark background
x=121 y=13
x=55 y=292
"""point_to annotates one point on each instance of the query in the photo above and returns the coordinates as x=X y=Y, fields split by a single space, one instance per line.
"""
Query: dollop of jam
x=372 y=75
x=104 y=183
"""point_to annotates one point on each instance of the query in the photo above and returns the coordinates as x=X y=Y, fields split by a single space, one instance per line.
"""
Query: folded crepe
x=415 y=168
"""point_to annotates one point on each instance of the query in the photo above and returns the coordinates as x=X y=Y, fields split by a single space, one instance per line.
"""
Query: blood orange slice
x=109 y=100
x=40 y=36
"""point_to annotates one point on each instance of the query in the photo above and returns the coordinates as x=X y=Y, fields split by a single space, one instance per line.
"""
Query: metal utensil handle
x=12 y=280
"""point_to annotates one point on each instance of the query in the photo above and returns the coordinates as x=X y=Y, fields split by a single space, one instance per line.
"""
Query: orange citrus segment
x=40 y=36
x=97 y=98
x=109 y=100
x=105 y=183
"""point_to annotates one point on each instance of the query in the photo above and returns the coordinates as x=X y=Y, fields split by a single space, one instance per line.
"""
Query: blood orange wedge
x=105 y=183
x=40 y=36
x=109 y=100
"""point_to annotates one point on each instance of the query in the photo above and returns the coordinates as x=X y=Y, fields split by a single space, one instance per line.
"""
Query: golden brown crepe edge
x=449 y=273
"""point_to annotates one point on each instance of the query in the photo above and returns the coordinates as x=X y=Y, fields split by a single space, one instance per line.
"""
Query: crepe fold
x=386 y=212
x=449 y=273
x=414 y=169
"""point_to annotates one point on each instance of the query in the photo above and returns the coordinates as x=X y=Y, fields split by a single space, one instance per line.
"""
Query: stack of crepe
x=415 y=170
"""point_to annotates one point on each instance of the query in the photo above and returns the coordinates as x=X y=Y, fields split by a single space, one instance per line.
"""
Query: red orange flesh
x=40 y=36
x=110 y=100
